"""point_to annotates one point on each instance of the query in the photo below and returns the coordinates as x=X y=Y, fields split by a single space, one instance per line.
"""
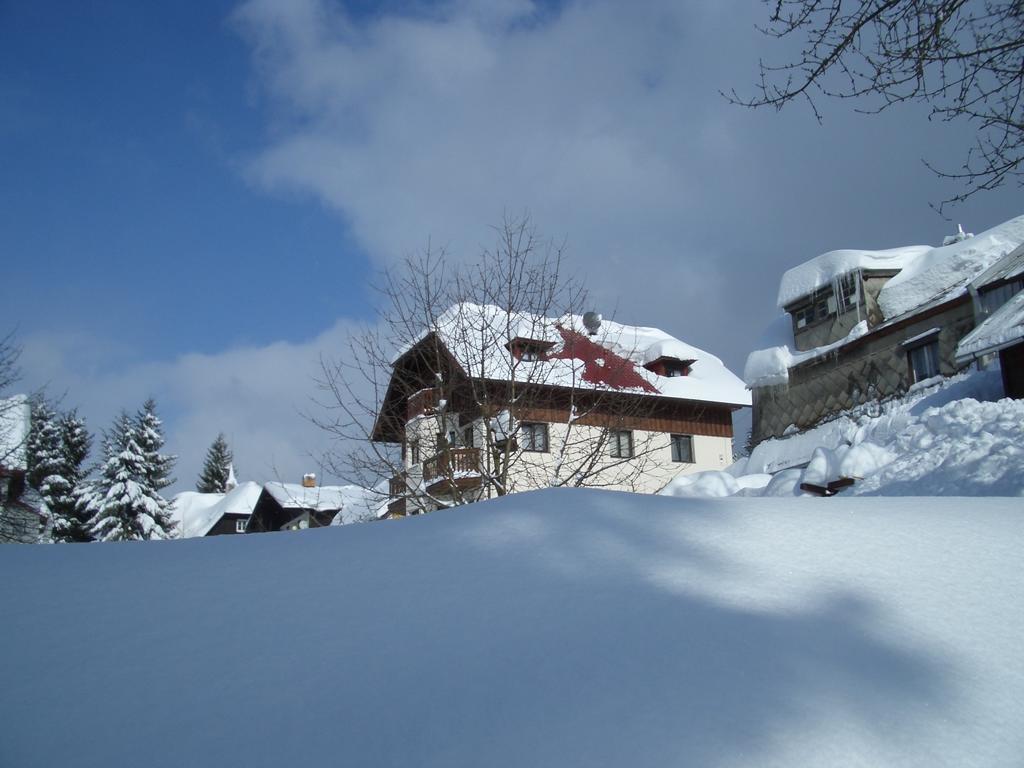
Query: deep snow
x=562 y=628
x=944 y=437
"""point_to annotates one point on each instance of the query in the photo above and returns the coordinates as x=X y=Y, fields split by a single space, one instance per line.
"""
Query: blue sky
x=194 y=196
x=125 y=127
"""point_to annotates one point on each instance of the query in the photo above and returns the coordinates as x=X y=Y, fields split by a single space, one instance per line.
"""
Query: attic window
x=528 y=350
x=842 y=296
x=670 y=367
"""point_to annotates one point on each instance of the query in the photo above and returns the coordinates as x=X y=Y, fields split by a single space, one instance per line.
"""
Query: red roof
x=601 y=366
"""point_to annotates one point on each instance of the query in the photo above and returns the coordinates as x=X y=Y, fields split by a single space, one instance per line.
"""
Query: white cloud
x=255 y=395
x=432 y=124
x=604 y=119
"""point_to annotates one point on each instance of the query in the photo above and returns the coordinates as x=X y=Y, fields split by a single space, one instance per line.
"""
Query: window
x=414 y=452
x=467 y=437
x=240 y=526
x=529 y=354
x=621 y=444
x=924 y=361
x=804 y=315
x=533 y=437
x=841 y=296
x=682 y=448
x=994 y=298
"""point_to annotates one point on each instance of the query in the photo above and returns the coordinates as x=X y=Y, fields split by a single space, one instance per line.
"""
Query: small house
x=861 y=326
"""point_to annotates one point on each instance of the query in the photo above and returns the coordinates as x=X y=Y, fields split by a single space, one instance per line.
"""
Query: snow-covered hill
x=946 y=437
x=562 y=628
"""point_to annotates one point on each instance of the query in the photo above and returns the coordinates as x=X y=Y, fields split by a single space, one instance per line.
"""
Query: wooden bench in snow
x=827 y=490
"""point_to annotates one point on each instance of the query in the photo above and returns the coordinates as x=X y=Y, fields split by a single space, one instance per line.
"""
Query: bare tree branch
x=963 y=58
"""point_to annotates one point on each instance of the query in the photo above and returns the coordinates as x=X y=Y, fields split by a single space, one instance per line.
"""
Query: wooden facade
x=270 y=515
x=229 y=525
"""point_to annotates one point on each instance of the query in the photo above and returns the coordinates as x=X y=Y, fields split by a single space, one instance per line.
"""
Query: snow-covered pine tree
x=44 y=453
x=44 y=458
x=214 y=477
x=127 y=506
x=157 y=466
x=87 y=498
x=70 y=516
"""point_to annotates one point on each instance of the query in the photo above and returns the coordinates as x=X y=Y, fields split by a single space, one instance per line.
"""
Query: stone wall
x=870 y=368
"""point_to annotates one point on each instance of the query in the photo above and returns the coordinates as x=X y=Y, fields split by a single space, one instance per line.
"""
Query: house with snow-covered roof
x=858 y=326
x=489 y=402
x=295 y=507
x=216 y=514
x=275 y=506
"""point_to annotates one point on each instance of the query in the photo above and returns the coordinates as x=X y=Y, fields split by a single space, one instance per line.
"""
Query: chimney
x=592 y=322
x=309 y=480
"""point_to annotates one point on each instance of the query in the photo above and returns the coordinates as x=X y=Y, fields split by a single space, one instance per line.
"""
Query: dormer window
x=529 y=350
x=840 y=297
x=670 y=367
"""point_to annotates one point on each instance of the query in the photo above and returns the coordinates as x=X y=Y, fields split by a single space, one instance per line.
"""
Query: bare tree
x=963 y=58
x=477 y=382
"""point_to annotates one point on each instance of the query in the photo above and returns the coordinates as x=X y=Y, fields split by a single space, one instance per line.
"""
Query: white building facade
x=541 y=402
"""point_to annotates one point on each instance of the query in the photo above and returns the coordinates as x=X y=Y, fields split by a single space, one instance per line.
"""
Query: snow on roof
x=945 y=272
x=928 y=277
x=1006 y=268
x=614 y=358
x=804 y=279
x=924 y=273
x=769 y=365
x=321 y=498
x=15 y=421
x=199 y=512
x=1002 y=328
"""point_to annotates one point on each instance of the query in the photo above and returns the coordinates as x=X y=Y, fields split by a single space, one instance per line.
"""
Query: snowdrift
x=563 y=628
x=943 y=438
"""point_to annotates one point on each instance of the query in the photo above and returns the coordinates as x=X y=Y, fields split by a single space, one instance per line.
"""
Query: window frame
x=932 y=345
x=528 y=431
x=240 y=526
x=615 y=443
x=677 y=440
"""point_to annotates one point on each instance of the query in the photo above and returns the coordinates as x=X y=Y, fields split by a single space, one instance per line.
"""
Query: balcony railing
x=398 y=486
x=454 y=461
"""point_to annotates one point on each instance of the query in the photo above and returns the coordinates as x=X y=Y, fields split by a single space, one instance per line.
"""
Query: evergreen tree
x=44 y=451
x=86 y=497
x=127 y=504
x=57 y=449
x=214 y=477
x=70 y=517
x=157 y=466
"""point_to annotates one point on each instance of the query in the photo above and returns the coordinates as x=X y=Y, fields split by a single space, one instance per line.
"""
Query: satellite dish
x=592 y=322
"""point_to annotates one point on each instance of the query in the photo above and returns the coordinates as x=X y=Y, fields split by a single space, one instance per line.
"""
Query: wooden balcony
x=398 y=486
x=451 y=469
